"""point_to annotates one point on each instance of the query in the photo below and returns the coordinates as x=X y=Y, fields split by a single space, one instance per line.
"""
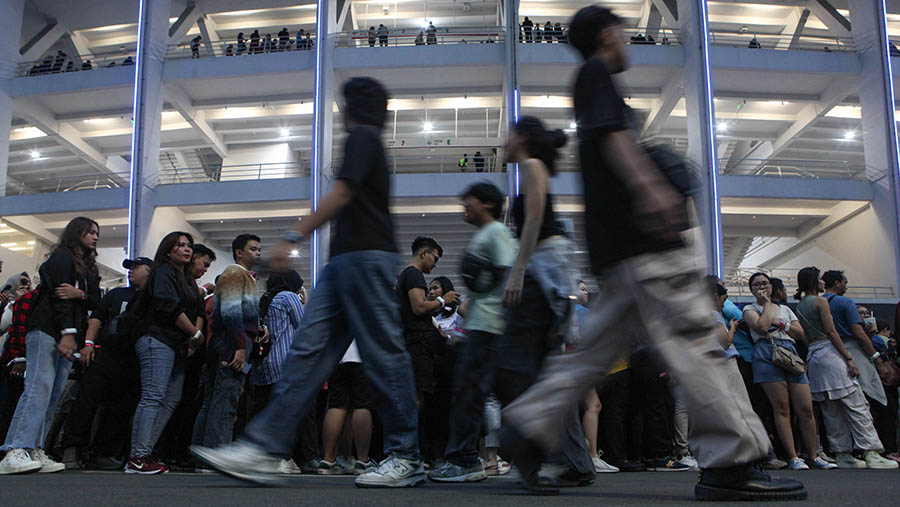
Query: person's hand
x=882 y=369
x=17 y=370
x=451 y=297
x=733 y=325
x=87 y=355
x=512 y=294
x=852 y=370
x=279 y=255
x=4 y=299
x=66 y=346
x=237 y=363
x=264 y=337
x=21 y=291
x=762 y=298
x=66 y=291
x=302 y=294
x=659 y=210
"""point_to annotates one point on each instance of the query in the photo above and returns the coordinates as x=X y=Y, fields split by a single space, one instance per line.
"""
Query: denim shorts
x=765 y=371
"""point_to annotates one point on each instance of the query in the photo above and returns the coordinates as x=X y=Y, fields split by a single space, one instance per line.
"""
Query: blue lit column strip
x=136 y=177
x=511 y=84
x=713 y=208
x=893 y=139
x=318 y=128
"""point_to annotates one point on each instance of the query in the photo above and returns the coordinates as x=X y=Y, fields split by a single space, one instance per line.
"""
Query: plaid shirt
x=18 y=329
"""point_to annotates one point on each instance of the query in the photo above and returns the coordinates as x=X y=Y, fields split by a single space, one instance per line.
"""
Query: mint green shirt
x=497 y=244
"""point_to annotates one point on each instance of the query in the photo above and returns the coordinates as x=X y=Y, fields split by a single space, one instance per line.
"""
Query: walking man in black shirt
x=633 y=221
x=363 y=260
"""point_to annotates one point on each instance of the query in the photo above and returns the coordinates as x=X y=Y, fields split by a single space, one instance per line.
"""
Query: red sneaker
x=144 y=465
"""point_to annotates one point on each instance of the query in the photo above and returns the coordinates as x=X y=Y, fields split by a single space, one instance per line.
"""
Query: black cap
x=138 y=261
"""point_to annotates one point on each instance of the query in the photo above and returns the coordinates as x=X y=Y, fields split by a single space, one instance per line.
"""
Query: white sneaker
x=393 y=472
x=689 y=461
x=797 y=464
x=289 y=466
x=876 y=461
x=821 y=454
x=48 y=466
x=602 y=467
x=242 y=461
x=18 y=461
x=846 y=460
x=821 y=464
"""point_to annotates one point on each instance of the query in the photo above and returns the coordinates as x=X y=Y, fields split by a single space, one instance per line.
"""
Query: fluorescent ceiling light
x=849 y=135
x=721 y=127
x=35 y=154
x=427 y=126
x=285 y=132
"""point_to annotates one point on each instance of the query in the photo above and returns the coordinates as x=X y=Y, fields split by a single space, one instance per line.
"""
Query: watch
x=874 y=356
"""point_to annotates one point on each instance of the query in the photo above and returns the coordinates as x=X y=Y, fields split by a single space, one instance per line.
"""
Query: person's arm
x=536 y=183
x=7 y=318
x=59 y=269
x=90 y=336
x=420 y=304
x=463 y=308
x=761 y=322
x=821 y=306
x=795 y=331
x=167 y=305
x=229 y=292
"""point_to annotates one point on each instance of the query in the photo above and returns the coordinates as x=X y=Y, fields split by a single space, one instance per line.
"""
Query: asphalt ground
x=860 y=488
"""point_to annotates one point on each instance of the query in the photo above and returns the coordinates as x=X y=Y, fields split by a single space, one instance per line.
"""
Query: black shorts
x=348 y=388
x=423 y=366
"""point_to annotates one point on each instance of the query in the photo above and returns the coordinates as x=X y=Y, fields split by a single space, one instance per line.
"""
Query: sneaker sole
x=663 y=469
x=330 y=472
x=52 y=469
x=24 y=469
x=882 y=467
x=224 y=468
x=853 y=466
x=410 y=482
x=713 y=494
x=605 y=471
x=469 y=477
x=139 y=472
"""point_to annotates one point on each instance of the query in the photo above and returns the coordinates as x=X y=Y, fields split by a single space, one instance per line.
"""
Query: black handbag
x=675 y=167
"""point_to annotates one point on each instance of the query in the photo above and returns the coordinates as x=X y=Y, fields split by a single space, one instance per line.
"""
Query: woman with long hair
x=770 y=322
x=832 y=380
x=55 y=333
x=170 y=312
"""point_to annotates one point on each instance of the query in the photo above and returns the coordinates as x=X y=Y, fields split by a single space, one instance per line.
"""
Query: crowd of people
x=393 y=378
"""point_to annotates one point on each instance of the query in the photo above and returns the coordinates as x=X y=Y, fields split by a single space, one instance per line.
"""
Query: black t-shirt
x=365 y=222
x=413 y=325
x=112 y=304
x=611 y=229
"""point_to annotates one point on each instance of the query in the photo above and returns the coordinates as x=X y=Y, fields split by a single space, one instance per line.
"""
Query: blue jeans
x=214 y=425
x=354 y=299
x=45 y=378
x=162 y=377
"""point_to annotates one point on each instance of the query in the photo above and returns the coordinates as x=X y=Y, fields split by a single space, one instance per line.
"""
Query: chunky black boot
x=745 y=482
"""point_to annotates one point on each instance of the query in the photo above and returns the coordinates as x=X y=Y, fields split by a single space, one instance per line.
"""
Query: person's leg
x=884 y=418
x=315 y=351
x=156 y=360
x=837 y=425
x=801 y=399
x=223 y=406
x=375 y=322
x=862 y=427
x=260 y=399
x=779 y=397
x=207 y=385
x=170 y=399
x=472 y=382
x=657 y=432
x=331 y=431
x=306 y=444
x=26 y=430
x=680 y=445
x=362 y=433
x=590 y=421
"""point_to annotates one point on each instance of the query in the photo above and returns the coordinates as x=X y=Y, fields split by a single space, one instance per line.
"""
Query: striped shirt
x=282 y=321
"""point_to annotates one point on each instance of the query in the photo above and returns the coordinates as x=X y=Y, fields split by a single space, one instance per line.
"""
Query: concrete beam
x=734 y=256
x=64 y=202
x=41 y=42
x=841 y=213
x=184 y=23
x=827 y=14
x=672 y=92
x=210 y=34
x=179 y=99
x=669 y=11
x=793 y=27
x=41 y=117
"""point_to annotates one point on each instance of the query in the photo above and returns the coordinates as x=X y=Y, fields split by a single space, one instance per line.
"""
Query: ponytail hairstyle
x=70 y=242
x=541 y=143
x=807 y=281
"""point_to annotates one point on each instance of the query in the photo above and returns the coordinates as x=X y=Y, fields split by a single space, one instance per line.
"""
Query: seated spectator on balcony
x=87 y=65
x=34 y=70
x=638 y=39
x=560 y=33
x=420 y=38
x=527 y=27
x=46 y=65
x=372 y=35
x=650 y=39
x=538 y=34
x=70 y=66
x=195 y=47
x=754 y=43
x=229 y=50
x=479 y=162
x=548 y=32
x=430 y=34
x=254 y=42
x=241 y=43
x=283 y=37
x=301 y=42
x=59 y=60
x=382 y=35
x=308 y=43
x=128 y=61
x=111 y=64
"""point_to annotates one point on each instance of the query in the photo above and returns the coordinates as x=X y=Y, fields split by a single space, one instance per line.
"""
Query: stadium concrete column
x=11 y=13
x=511 y=87
x=322 y=169
x=693 y=23
x=153 y=38
x=878 y=102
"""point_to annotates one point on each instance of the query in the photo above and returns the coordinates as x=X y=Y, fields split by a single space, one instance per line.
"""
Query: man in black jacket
x=111 y=383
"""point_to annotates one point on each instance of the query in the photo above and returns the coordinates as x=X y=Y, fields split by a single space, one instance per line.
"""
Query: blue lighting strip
x=321 y=36
x=895 y=141
x=516 y=121
x=715 y=215
x=134 y=185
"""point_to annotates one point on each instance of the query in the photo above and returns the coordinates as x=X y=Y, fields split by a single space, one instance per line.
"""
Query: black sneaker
x=666 y=465
x=572 y=478
x=745 y=482
x=540 y=486
x=629 y=466
x=97 y=462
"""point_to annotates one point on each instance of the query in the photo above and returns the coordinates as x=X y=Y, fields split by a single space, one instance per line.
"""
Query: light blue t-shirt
x=742 y=342
x=496 y=244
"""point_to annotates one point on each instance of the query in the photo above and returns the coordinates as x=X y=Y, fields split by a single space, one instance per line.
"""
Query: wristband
x=875 y=356
x=441 y=301
x=291 y=236
x=89 y=343
x=68 y=330
x=197 y=335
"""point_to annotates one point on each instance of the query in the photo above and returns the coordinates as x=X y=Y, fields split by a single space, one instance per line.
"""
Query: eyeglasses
x=760 y=284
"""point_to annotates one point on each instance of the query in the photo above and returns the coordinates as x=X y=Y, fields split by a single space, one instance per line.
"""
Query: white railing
x=58 y=64
x=752 y=40
x=791 y=168
x=736 y=281
x=239 y=47
x=416 y=36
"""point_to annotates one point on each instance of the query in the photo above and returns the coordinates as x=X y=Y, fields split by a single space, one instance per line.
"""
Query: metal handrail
x=796 y=168
x=238 y=172
x=233 y=47
x=636 y=35
x=736 y=280
x=56 y=65
x=417 y=36
x=781 y=42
